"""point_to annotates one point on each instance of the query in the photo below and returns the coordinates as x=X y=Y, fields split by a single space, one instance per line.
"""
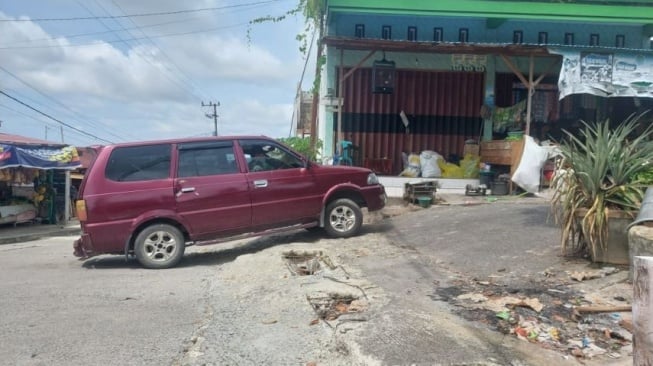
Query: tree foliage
x=303 y=146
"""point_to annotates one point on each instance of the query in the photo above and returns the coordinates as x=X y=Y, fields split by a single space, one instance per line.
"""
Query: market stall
x=34 y=179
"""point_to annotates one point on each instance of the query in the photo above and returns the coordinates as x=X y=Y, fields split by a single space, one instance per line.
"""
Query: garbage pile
x=557 y=317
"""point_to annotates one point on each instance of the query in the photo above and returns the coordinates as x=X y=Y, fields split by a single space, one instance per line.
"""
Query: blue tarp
x=40 y=157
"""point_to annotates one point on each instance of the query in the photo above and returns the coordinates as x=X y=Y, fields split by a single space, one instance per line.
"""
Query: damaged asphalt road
x=419 y=286
x=499 y=267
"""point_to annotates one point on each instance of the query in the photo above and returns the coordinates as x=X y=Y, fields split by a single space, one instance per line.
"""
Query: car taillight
x=80 y=208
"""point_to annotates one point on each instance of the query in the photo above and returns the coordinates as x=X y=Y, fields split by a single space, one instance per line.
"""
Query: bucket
x=500 y=188
x=424 y=201
x=486 y=178
x=645 y=213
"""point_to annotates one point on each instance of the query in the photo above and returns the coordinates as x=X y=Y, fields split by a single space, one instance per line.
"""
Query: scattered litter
x=503 y=315
x=603 y=309
x=561 y=317
x=473 y=297
x=589 y=275
x=556 y=291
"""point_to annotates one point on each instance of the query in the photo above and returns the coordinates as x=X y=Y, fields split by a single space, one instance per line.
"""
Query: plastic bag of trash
x=450 y=170
x=429 y=164
x=413 y=170
x=470 y=166
x=527 y=175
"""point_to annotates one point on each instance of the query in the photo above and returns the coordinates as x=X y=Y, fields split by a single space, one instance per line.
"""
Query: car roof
x=189 y=139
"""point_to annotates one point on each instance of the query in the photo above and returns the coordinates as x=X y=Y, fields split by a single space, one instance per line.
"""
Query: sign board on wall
x=606 y=74
x=464 y=62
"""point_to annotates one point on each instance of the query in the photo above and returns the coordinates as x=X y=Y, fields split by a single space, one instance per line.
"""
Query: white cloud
x=142 y=90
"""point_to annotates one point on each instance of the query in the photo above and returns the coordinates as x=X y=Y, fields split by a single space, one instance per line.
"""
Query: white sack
x=428 y=161
x=527 y=175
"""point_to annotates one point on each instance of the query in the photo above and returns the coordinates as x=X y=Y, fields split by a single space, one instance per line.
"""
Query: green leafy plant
x=603 y=169
x=303 y=146
x=314 y=16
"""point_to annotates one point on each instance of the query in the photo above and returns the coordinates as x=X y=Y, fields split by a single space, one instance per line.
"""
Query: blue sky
x=127 y=75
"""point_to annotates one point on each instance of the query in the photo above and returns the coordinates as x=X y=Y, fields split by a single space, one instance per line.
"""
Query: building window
x=411 y=34
x=438 y=34
x=463 y=35
x=569 y=38
x=543 y=38
x=386 y=32
x=517 y=37
x=594 y=39
x=359 y=31
x=620 y=41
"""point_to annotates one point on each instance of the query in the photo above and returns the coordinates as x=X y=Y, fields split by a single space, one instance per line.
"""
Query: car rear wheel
x=343 y=218
x=159 y=246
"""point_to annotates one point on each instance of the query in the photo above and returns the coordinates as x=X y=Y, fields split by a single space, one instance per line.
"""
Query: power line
x=77 y=35
x=179 y=83
x=90 y=123
x=54 y=119
x=188 y=80
x=126 y=39
x=141 y=14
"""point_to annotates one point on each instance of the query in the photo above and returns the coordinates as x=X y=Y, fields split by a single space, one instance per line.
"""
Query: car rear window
x=134 y=163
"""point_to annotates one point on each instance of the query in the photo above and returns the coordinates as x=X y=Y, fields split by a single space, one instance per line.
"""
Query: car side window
x=264 y=155
x=134 y=163
x=198 y=159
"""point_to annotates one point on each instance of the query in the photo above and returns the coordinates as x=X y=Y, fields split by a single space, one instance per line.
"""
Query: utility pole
x=214 y=115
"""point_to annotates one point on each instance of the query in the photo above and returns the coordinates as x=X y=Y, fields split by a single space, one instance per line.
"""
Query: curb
x=20 y=238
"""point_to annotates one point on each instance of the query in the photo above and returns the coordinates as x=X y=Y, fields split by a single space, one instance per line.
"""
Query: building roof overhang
x=596 y=11
x=366 y=44
x=506 y=49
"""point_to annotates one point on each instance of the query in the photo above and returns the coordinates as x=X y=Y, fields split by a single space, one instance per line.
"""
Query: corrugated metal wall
x=442 y=107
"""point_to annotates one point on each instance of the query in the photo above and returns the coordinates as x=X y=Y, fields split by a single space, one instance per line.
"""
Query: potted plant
x=598 y=190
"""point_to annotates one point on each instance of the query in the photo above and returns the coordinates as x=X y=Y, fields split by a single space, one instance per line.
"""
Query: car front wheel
x=159 y=246
x=343 y=218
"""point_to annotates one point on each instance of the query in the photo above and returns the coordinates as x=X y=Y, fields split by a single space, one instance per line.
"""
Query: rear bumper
x=82 y=247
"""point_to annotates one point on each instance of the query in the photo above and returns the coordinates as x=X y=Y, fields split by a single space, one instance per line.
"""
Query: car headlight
x=372 y=179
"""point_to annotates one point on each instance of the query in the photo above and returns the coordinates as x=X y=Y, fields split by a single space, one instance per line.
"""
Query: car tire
x=159 y=246
x=343 y=218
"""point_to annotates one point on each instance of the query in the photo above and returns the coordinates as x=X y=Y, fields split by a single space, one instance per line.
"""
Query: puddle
x=303 y=263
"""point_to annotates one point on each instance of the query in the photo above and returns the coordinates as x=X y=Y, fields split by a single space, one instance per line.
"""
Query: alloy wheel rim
x=160 y=246
x=342 y=218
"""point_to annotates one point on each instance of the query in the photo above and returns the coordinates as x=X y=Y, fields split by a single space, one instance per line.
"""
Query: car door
x=211 y=193
x=283 y=190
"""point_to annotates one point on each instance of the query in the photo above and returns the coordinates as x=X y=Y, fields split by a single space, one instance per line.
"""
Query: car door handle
x=260 y=183
x=188 y=190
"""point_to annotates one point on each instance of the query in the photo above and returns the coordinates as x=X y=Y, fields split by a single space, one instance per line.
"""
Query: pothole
x=334 y=305
x=303 y=263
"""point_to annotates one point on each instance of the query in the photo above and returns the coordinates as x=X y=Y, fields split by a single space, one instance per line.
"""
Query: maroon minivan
x=152 y=199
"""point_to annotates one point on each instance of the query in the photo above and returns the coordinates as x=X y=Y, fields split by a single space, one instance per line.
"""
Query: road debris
x=557 y=317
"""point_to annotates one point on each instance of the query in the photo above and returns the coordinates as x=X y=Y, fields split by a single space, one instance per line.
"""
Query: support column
x=642 y=310
x=488 y=98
